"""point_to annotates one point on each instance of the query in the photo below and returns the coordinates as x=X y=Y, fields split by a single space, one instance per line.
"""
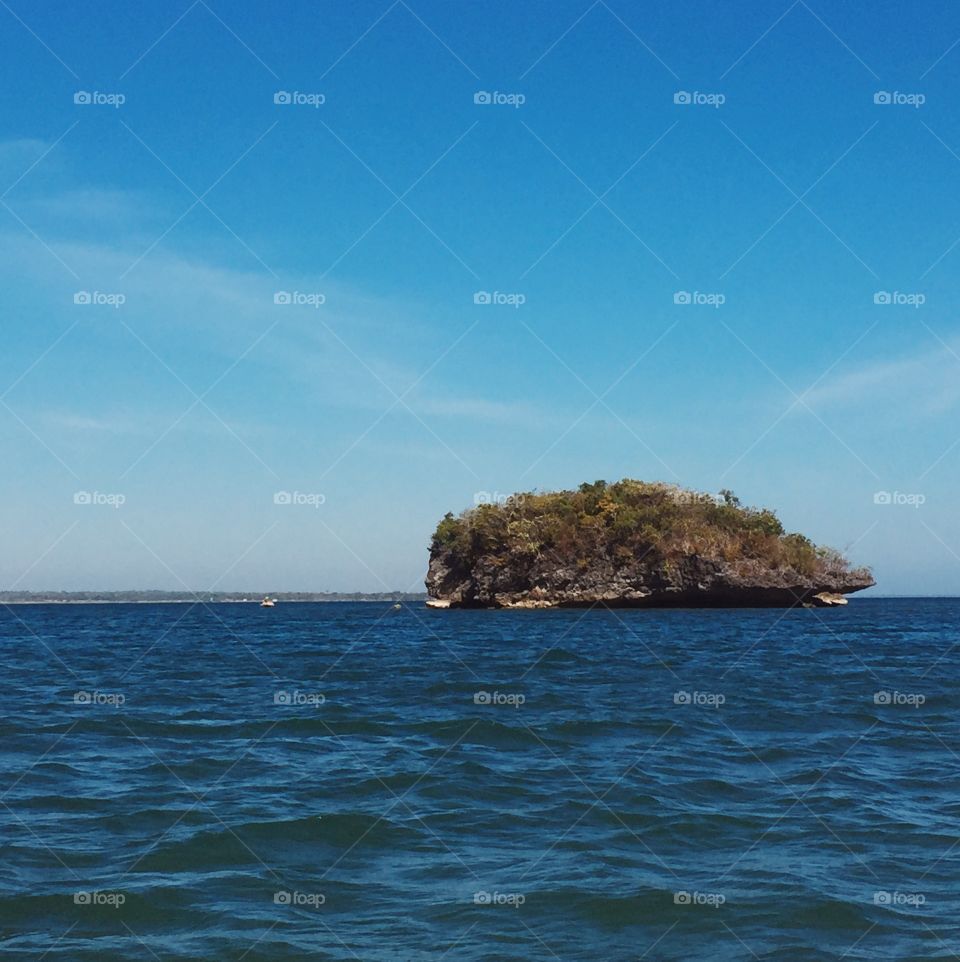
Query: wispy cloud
x=923 y=383
x=516 y=413
x=92 y=206
x=357 y=352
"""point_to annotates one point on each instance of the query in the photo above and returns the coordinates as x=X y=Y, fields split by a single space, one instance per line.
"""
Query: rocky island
x=630 y=544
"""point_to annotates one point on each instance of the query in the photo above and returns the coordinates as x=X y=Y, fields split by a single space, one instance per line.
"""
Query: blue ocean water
x=348 y=781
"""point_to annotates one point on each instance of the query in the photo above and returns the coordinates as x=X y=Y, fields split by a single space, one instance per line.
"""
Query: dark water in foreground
x=588 y=810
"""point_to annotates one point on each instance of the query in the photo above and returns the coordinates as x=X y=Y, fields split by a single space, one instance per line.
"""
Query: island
x=630 y=544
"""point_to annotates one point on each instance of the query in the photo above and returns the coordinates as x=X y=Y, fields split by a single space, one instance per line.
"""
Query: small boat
x=268 y=603
x=397 y=606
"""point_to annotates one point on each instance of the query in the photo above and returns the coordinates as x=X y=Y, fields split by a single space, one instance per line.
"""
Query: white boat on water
x=268 y=603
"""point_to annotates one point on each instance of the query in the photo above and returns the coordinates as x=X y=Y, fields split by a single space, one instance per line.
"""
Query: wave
x=253 y=842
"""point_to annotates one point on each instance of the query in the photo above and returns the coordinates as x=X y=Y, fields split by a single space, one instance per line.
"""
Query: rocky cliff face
x=691 y=581
x=630 y=544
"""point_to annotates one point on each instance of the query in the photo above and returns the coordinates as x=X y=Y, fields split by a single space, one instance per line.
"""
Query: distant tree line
x=157 y=596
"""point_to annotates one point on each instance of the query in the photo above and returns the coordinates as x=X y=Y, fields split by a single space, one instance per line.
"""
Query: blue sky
x=783 y=199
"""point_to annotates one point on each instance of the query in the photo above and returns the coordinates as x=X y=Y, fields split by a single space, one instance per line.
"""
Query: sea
x=226 y=783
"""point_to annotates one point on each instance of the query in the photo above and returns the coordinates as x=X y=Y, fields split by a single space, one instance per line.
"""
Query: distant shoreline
x=203 y=601
x=186 y=598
